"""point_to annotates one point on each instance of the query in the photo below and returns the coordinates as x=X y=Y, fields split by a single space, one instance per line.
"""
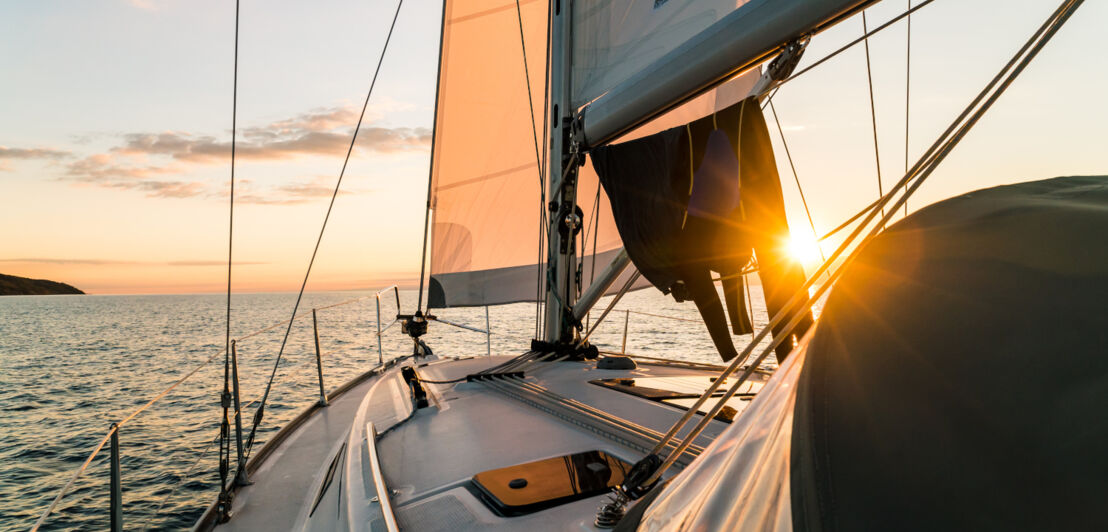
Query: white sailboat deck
x=429 y=458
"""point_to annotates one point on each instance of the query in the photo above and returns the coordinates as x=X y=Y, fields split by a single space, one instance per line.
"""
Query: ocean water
x=72 y=365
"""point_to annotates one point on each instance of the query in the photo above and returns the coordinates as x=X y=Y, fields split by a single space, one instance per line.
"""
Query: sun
x=803 y=248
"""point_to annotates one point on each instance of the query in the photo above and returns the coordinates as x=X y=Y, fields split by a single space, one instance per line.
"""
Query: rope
x=872 y=108
x=353 y=138
x=661 y=316
x=540 y=160
x=619 y=295
x=224 y=432
x=907 y=89
x=916 y=177
x=155 y=399
x=431 y=162
x=796 y=177
x=177 y=485
x=76 y=475
x=854 y=42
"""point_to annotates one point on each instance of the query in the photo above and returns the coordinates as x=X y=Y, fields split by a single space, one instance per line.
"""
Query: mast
x=561 y=282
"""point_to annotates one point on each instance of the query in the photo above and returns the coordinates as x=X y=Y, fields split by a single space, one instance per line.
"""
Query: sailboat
x=956 y=344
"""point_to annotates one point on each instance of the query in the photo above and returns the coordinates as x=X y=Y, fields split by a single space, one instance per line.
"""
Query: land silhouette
x=11 y=285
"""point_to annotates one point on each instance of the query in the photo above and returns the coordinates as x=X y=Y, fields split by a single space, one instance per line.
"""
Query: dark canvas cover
x=703 y=198
x=958 y=376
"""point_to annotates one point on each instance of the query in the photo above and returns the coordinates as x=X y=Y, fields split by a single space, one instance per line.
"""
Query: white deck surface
x=429 y=458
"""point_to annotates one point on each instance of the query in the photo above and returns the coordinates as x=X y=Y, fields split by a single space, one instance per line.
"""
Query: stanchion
x=318 y=361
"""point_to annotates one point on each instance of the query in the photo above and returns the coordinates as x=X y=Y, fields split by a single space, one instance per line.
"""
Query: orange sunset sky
x=115 y=128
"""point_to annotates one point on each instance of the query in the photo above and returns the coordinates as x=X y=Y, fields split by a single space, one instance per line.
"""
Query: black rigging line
x=540 y=297
x=538 y=157
x=907 y=89
x=789 y=156
x=353 y=138
x=872 y=108
x=225 y=423
x=430 y=165
x=851 y=44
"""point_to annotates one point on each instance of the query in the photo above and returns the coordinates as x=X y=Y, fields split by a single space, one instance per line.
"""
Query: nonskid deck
x=429 y=455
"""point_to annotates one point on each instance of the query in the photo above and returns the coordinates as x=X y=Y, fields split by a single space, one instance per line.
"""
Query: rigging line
x=872 y=109
x=595 y=236
x=540 y=299
x=225 y=434
x=76 y=475
x=919 y=172
x=796 y=177
x=851 y=44
x=534 y=131
x=184 y=478
x=907 y=89
x=619 y=295
x=353 y=139
x=850 y=220
x=527 y=80
x=431 y=161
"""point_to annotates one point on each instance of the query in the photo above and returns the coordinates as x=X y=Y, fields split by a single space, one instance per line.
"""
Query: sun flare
x=803 y=248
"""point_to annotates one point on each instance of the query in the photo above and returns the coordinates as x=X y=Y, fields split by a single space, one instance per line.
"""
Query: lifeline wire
x=788 y=154
x=353 y=138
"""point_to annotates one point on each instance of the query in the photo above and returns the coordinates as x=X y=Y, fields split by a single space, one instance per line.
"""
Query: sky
x=115 y=124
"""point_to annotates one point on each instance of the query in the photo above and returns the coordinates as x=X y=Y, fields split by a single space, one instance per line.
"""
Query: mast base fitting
x=573 y=351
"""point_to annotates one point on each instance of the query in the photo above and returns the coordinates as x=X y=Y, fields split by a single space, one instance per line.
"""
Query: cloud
x=86 y=262
x=210 y=263
x=33 y=153
x=105 y=262
x=143 y=161
x=290 y=194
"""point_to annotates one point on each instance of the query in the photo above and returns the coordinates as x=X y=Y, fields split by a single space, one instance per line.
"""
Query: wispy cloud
x=108 y=262
x=8 y=154
x=32 y=153
x=143 y=160
x=86 y=262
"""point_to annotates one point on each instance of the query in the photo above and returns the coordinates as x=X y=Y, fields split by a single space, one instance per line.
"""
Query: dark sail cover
x=702 y=198
x=958 y=378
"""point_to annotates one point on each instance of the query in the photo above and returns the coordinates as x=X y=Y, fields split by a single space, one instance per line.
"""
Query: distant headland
x=11 y=285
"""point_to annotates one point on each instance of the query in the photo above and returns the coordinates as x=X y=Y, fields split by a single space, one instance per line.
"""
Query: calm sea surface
x=72 y=365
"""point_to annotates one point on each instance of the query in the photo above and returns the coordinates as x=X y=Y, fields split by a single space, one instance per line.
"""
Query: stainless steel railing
x=111 y=438
x=380 y=331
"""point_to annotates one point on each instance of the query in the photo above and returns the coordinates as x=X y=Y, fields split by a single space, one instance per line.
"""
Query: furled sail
x=614 y=39
x=700 y=198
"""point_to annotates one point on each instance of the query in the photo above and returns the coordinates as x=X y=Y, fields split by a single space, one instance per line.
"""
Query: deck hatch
x=533 y=486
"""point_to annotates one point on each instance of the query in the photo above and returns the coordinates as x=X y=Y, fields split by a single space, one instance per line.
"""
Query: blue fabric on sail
x=699 y=198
